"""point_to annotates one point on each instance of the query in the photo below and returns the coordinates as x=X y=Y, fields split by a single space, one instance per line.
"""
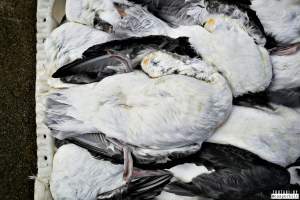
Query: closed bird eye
x=154 y=62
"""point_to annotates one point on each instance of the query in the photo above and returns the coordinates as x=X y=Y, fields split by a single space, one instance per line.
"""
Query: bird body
x=245 y=65
x=223 y=43
x=77 y=175
x=198 y=12
x=142 y=111
x=123 y=18
x=116 y=55
x=286 y=69
x=271 y=134
x=227 y=47
x=280 y=19
x=216 y=172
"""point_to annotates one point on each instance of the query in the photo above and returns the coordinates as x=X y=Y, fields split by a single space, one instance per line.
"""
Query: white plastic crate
x=49 y=13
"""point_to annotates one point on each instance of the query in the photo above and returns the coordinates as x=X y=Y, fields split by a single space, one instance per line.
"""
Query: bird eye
x=154 y=62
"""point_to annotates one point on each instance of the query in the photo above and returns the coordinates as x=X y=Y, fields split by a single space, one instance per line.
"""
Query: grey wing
x=143 y=185
x=232 y=183
x=92 y=69
x=98 y=144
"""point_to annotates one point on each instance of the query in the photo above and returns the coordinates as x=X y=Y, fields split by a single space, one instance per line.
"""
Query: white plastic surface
x=49 y=13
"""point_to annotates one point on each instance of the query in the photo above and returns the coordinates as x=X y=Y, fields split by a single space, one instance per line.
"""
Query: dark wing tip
x=65 y=70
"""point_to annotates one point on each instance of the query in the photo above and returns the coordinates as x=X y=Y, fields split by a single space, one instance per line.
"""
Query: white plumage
x=170 y=196
x=187 y=171
x=286 y=70
x=77 y=175
x=85 y=11
x=163 y=113
x=280 y=18
x=127 y=20
x=272 y=135
x=159 y=63
x=294 y=172
x=67 y=43
x=226 y=46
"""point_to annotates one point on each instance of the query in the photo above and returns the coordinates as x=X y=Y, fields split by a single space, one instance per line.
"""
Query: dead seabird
x=186 y=108
x=216 y=172
x=119 y=55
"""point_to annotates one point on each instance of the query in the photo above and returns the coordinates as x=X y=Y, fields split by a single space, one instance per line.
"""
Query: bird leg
x=123 y=59
x=128 y=161
x=128 y=164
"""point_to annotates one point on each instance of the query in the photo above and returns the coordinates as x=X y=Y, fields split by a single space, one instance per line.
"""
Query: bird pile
x=175 y=99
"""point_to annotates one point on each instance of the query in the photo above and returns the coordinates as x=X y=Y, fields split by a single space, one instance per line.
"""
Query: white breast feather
x=169 y=196
x=280 y=18
x=150 y=112
x=186 y=172
x=85 y=11
x=272 y=135
x=286 y=71
x=77 y=175
x=232 y=51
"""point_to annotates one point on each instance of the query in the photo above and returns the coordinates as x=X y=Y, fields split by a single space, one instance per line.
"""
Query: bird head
x=210 y=24
x=221 y=23
x=160 y=63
